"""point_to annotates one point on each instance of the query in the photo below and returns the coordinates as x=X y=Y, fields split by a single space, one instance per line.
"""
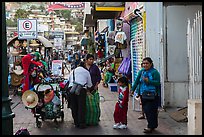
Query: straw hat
x=34 y=43
x=30 y=99
x=16 y=79
x=48 y=95
x=18 y=70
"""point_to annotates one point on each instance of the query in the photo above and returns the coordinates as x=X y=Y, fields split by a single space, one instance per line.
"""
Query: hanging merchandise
x=137 y=45
x=120 y=40
x=125 y=66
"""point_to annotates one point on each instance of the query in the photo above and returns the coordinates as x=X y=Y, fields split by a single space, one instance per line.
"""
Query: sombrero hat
x=34 y=43
x=30 y=99
x=18 y=70
x=16 y=79
x=48 y=95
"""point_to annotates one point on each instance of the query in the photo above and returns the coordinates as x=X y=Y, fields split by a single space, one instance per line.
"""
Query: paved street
x=24 y=118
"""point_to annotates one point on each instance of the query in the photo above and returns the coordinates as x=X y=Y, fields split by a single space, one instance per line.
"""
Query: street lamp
x=7 y=114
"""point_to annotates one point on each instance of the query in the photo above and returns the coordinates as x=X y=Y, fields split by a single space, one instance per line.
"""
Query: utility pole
x=7 y=114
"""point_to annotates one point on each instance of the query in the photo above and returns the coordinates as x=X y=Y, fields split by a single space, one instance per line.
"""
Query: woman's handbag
x=147 y=95
x=76 y=88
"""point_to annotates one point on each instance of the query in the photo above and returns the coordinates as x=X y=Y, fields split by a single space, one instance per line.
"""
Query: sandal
x=141 y=117
x=148 y=130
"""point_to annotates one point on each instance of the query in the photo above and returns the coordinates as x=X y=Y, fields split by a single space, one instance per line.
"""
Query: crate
x=113 y=87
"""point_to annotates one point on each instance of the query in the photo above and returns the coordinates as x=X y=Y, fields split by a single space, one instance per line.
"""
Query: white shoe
x=122 y=126
x=116 y=125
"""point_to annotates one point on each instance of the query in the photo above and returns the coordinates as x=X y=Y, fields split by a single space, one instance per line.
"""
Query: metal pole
x=28 y=45
x=7 y=114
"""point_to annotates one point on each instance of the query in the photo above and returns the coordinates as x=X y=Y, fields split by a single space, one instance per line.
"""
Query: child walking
x=121 y=107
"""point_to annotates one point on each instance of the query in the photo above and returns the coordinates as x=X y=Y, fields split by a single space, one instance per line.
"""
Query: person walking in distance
x=121 y=107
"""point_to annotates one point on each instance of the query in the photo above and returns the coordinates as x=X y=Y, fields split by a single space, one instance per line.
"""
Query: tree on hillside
x=66 y=14
x=33 y=7
x=11 y=23
x=42 y=8
x=79 y=27
x=20 y=13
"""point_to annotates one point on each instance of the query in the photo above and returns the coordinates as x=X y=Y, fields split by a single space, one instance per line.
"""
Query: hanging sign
x=27 y=29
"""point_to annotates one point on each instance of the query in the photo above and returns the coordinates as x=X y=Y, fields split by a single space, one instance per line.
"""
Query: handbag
x=76 y=88
x=147 y=95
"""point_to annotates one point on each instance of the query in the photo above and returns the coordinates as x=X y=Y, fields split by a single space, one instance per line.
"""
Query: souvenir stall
x=100 y=45
x=18 y=49
x=121 y=44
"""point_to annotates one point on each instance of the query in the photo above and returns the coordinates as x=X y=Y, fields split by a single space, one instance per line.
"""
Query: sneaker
x=116 y=125
x=122 y=126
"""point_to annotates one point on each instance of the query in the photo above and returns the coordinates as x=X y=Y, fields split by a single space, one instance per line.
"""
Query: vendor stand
x=18 y=48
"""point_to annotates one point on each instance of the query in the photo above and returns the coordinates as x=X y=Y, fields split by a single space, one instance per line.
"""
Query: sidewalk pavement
x=25 y=119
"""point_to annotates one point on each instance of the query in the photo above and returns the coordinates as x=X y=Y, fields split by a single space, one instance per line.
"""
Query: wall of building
x=166 y=43
x=176 y=56
x=154 y=38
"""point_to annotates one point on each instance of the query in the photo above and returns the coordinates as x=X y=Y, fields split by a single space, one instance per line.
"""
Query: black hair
x=149 y=60
x=123 y=80
x=88 y=56
x=82 y=64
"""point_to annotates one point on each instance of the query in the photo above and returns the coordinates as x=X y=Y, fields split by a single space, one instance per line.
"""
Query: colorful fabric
x=26 y=61
x=49 y=113
x=93 y=109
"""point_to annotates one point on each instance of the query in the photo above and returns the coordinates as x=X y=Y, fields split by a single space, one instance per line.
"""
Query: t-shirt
x=120 y=37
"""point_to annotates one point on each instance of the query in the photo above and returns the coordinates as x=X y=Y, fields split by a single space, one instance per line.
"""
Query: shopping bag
x=92 y=108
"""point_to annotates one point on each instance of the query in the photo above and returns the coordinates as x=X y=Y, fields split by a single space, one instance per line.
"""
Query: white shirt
x=82 y=76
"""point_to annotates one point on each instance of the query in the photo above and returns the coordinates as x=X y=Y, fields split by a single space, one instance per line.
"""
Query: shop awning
x=106 y=14
x=89 y=22
x=45 y=42
x=107 y=10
